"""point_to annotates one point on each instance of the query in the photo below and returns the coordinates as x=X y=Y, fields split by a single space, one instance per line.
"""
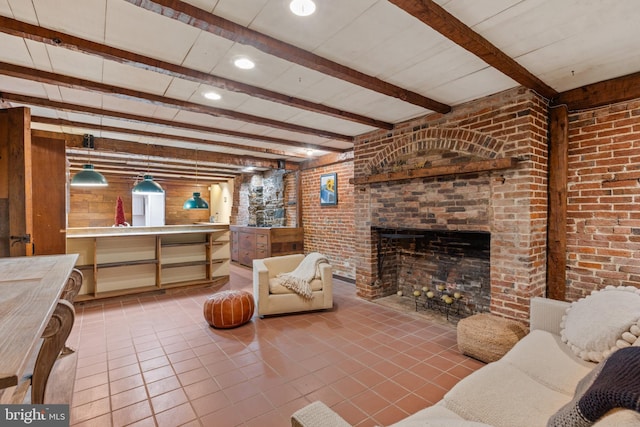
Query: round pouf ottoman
x=487 y=337
x=228 y=309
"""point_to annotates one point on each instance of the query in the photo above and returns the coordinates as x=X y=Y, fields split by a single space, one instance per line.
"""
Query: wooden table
x=34 y=320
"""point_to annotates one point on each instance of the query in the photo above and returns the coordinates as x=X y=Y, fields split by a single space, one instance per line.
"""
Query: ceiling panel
x=78 y=17
x=567 y=44
x=132 y=28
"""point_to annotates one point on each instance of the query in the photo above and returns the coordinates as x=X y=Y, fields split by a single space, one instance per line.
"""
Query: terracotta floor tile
x=119 y=362
x=123 y=372
x=146 y=422
x=90 y=394
x=90 y=410
x=156 y=354
x=391 y=391
x=163 y=386
x=91 y=381
x=128 y=397
x=412 y=403
x=389 y=415
x=168 y=400
x=446 y=380
x=156 y=362
x=370 y=402
x=158 y=374
x=229 y=379
x=240 y=391
x=348 y=387
x=130 y=414
x=127 y=383
x=210 y=402
x=228 y=416
x=282 y=394
x=101 y=421
x=351 y=413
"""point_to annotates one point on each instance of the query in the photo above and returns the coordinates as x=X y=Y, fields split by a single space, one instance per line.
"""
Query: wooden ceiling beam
x=80 y=156
x=64 y=106
x=606 y=92
x=57 y=38
x=158 y=135
x=83 y=84
x=118 y=146
x=455 y=30
x=221 y=27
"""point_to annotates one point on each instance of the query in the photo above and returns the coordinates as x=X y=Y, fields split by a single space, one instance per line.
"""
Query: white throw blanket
x=299 y=280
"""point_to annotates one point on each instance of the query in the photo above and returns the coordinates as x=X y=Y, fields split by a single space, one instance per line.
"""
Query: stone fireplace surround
x=509 y=204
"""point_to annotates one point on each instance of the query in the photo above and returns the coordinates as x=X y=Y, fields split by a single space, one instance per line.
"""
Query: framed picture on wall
x=329 y=189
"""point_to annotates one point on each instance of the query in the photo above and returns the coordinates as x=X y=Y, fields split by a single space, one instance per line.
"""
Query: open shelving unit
x=149 y=259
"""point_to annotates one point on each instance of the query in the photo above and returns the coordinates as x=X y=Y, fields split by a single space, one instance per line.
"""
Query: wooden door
x=16 y=211
x=49 y=195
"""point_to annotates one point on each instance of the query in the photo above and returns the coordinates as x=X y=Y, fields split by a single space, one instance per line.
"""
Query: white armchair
x=273 y=298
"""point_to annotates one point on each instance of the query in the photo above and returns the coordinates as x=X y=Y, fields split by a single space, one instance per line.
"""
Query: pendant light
x=196 y=202
x=88 y=176
x=147 y=185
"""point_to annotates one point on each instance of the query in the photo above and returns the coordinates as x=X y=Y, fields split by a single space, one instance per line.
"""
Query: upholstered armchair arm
x=282 y=263
x=326 y=275
x=546 y=314
x=260 y=282
x=317 y=414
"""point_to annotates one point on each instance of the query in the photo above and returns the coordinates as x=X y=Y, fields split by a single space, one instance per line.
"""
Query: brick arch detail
x=451 y=139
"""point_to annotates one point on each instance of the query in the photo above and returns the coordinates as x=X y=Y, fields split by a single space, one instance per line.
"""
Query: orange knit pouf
x=228 y=309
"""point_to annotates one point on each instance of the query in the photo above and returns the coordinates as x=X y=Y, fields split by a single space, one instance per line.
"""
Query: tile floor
x=153 y=361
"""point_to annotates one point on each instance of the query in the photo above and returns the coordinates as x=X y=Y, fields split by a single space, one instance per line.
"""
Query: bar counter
x=124 y=260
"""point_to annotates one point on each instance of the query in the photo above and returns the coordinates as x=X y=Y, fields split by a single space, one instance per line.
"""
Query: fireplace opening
x=429 y=265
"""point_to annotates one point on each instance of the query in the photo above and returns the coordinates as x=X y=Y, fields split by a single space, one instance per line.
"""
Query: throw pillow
x=612 y=384
x=603 y=322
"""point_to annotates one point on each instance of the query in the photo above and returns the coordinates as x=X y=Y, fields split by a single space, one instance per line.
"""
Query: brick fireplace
x=507 y=206
x=444 y=262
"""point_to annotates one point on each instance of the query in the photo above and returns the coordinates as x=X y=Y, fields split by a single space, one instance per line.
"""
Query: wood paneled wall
x=96 y=207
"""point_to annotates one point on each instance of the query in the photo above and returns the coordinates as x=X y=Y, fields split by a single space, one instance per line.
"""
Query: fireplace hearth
x=444 y=270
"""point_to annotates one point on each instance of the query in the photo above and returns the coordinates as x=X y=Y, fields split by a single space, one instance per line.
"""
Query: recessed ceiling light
x=302 y=7
x=244 y=63
x=309 y=152
x=212 y=95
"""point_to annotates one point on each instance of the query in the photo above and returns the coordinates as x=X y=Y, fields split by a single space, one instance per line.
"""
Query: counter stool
x=228 y=309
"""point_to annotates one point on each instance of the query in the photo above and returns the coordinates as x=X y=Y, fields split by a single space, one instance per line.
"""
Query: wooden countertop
x=144 y=231
x=29 y=290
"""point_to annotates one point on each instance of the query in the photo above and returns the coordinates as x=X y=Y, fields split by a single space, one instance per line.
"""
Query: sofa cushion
x=603 y=322
x=276 y=288
x=436 y=416
x=561 y=371
x=502 y=395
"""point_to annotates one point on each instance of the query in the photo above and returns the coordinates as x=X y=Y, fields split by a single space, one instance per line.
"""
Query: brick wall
x=603 y=206
x=511 y=204
x=96 y=207
x=329 y=229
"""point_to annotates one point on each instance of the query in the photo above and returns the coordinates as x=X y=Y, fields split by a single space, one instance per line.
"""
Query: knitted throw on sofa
x=614 y=383
x=299 y=280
